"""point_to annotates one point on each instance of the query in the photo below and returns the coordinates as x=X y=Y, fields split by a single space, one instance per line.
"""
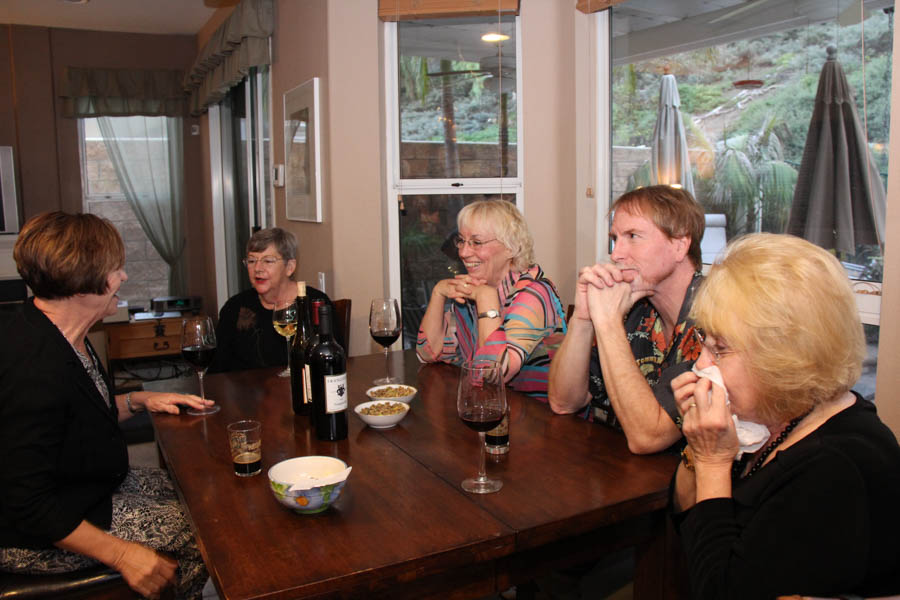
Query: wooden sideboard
x=143 y=339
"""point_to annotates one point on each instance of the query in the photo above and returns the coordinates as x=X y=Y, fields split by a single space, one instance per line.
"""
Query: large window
x=148 y=273
x=747 y=76
x=453 y=139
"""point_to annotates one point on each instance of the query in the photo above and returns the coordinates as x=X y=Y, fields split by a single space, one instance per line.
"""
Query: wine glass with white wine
x=284 y=319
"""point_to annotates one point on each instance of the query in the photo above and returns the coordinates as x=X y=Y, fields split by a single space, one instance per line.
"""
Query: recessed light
x=494 y=37
x=74 y=1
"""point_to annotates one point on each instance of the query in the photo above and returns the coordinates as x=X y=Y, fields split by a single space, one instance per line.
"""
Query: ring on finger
x=691 y=405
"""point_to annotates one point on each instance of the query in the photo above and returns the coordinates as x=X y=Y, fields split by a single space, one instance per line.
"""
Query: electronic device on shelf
x=180 y=304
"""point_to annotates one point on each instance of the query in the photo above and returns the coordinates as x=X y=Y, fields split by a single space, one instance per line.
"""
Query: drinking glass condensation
x=246 y=447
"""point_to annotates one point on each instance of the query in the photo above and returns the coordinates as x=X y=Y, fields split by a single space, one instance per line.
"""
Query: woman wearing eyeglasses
x=811 y=506
x=503 y=308
x=245 y=335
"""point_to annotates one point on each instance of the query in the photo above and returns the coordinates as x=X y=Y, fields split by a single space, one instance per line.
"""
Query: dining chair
x=342 y=322
x=100 y=583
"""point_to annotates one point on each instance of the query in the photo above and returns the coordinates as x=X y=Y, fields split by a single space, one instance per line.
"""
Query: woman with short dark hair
x=68 y=498
x=245 y=335
x=811 y=506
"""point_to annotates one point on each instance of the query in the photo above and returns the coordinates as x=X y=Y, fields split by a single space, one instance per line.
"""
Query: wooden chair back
x=342 y=323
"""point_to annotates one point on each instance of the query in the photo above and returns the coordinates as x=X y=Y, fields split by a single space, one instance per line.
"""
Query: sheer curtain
x=147 y=154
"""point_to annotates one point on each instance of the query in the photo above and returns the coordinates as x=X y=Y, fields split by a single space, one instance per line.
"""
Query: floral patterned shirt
x=531 y=311
x=659 y=363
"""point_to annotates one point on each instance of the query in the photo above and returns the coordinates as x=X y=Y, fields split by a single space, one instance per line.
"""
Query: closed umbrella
x=669 y=161
x=839 y=200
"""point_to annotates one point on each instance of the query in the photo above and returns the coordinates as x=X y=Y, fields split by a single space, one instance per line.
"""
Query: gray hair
x=284 y=241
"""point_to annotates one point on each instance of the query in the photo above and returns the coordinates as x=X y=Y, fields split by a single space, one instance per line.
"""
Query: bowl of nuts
x=382 y=414
x=391 y=393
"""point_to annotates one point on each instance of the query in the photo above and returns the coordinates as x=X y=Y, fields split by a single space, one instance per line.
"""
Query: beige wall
x=548 y=96
x=888 y=377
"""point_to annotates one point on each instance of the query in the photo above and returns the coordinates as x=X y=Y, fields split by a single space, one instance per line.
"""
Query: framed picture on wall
x=302 y=153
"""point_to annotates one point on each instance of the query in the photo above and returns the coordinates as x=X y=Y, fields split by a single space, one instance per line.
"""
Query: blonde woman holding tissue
x=811 y=505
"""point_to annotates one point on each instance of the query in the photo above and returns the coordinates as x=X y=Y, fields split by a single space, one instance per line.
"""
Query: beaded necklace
x=774 y=444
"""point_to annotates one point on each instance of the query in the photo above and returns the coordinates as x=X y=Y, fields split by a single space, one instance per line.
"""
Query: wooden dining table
x=403 y=527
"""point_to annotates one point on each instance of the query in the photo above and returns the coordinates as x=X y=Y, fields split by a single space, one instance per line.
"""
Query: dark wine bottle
x=307 y=348
x=328 y=380
x=300 y=400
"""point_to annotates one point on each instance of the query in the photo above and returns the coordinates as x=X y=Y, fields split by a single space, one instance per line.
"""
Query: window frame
x=395 y=187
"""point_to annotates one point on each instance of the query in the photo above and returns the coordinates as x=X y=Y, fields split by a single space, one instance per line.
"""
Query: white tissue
x=751 y=436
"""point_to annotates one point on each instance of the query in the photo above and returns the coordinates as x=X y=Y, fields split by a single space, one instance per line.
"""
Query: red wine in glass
x=198 y=347
x=481 y=420
x=385 y=337
x=385 y=326
x=481 y=405
x=199 y=357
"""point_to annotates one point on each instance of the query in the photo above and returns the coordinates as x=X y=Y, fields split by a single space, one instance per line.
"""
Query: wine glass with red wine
x=481 y=404
x=385 y=326
x=198 y=348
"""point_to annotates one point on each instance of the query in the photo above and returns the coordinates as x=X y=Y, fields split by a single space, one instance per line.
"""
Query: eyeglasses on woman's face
x=715 y=349
x=460 y=243
x=267 y=261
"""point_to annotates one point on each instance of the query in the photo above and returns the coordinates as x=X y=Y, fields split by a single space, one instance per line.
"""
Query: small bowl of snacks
x=382 y=414
x=308 y=484
x=392 y=393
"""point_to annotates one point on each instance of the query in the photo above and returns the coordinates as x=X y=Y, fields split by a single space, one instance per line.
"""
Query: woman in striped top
x=503 y=308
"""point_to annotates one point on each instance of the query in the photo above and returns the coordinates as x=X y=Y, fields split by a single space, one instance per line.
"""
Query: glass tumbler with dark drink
x=198 y=348
x=245 y=441
x=496 y=441
x=385 y=326
x=481 y=404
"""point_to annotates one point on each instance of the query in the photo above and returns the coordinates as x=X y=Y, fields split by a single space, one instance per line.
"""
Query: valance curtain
x=402 y=10
x=93 y=92
x=241 y=42
x=592 y=6
x=148 y=156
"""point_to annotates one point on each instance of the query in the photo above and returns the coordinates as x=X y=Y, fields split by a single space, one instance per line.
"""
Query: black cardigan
x=245 y=337
x=62 y=451
x=822 y=518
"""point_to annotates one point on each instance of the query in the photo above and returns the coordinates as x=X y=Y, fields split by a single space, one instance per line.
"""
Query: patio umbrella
x=669 y=161
x=839 y=200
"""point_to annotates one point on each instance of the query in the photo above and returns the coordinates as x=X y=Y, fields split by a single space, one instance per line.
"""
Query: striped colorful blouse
x=531 y=312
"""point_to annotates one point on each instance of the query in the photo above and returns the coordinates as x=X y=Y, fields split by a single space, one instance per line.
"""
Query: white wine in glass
x=198 y=348
x=385 y=326
x=284 y=319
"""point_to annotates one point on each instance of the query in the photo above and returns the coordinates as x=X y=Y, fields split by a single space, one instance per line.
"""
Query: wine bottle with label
x=328 y=380
x=300 y=399
x=307 y=348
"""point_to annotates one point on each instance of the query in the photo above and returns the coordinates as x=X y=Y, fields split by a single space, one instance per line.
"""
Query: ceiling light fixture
x=494 y=37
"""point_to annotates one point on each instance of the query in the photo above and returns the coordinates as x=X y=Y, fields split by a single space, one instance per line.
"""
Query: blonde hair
x=787 y=306
x=507 y=224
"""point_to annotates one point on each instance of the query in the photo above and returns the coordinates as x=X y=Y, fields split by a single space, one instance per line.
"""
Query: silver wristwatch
x=489 y=314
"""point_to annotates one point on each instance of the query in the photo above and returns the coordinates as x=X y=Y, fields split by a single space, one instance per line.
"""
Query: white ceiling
x=134 y=16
